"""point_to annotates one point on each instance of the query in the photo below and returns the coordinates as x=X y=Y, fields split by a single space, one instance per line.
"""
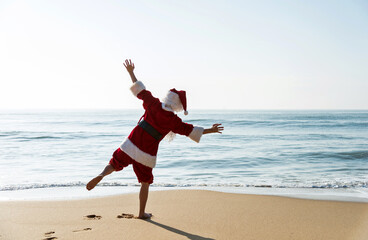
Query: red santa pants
x=121 y=160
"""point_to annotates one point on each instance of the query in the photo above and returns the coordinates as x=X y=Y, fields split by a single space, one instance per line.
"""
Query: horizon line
x=194 y=109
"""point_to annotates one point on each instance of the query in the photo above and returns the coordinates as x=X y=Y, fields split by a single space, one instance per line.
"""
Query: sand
x=185 y=214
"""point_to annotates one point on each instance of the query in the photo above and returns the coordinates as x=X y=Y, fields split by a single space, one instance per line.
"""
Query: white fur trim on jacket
x=137 y=87
x=138 y=155
x=172 y=99
x=196 y=134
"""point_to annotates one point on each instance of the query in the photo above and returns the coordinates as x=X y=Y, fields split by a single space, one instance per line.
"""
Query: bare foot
x=93 y=182
x=145 y=216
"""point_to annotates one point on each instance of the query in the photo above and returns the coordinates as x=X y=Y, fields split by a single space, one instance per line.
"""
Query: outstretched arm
x=216 y=128
x=130 y=68
x=138 y=89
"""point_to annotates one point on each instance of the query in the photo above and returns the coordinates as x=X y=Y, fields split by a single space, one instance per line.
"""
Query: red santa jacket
x=140 y=145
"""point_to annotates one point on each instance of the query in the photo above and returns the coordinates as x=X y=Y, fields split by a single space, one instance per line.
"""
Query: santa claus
x=141 y=146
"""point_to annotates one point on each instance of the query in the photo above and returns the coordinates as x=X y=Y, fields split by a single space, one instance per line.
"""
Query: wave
x=23 y=136
x=326 y=185
x=352 y=155
x=295 y=123
x=37 y=138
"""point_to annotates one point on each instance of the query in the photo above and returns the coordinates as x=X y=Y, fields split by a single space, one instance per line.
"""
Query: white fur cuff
x=196 y=134
x=138 y=155
x=137 y=87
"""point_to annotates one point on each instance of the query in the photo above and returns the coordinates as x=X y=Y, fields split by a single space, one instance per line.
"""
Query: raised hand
x=130 y=68
x=129 y=65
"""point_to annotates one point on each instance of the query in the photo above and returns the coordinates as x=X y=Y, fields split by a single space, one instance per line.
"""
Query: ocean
x=56 y=152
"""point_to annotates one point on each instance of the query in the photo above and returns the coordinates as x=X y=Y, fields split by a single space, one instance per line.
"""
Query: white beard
x=170 y=136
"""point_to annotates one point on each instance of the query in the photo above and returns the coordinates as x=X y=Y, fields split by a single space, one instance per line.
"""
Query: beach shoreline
x=185 y=214
x=80 y=193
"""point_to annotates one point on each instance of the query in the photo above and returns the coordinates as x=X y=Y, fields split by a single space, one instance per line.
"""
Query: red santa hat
x=177 y=100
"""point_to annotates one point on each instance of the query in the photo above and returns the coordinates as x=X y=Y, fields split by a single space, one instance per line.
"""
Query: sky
x=226 y=54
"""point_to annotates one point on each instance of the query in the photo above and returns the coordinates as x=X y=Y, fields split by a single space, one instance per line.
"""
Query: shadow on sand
x=177 y=231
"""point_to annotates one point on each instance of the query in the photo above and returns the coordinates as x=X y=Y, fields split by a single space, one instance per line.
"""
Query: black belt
x=151 y=130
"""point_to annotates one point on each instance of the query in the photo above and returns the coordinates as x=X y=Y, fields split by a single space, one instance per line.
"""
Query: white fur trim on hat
x=137 y=87
x=196 y=134
x=138 y=155
x=172 y=99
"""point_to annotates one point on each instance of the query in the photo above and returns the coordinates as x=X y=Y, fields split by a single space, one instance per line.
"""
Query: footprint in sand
x=92 y=216
x=86 y=229
x=48 y=236
x=125 y=215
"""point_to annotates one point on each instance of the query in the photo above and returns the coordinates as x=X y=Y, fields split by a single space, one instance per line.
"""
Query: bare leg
x=108 y=170
x=143 y=196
